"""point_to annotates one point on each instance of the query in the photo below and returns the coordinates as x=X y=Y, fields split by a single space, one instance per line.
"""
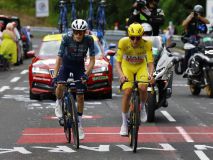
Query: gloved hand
x=84 y=78
x=54 y=81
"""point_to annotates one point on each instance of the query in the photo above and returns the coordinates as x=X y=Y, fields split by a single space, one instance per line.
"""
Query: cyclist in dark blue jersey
x=71 y=59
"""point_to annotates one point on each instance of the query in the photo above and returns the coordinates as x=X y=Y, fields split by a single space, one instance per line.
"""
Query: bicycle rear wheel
x=67 y=124
x=74 y=117
x=134 y=123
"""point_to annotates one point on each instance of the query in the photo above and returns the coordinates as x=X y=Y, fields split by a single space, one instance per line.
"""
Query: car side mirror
x=31 y=54
x=110 y=52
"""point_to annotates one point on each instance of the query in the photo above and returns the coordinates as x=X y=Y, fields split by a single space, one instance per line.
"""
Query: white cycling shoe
x=58 y=109
x=143 y=114
x=81 y=133
x=124 y=130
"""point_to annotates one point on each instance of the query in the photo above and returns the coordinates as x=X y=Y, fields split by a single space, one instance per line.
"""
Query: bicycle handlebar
x=121 y=85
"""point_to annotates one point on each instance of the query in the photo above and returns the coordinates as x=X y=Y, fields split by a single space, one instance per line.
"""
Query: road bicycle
x=69 y=111
x=134 y=117
x=62 y=21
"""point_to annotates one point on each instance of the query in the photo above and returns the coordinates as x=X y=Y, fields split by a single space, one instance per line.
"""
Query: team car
x=42 y=68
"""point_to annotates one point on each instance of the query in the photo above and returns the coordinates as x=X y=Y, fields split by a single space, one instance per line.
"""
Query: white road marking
x=179 y=85
x=24 y=71
x=20 y=88
x=3 y=88
x=116 y=87
x=201 y=155
x=93 y=103
x=116 y=95
x=15 y=79
x=168 y=116
x=185 y=135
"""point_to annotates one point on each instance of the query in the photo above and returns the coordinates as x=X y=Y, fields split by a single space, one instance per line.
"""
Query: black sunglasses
x=135 y=37
x=78 y=32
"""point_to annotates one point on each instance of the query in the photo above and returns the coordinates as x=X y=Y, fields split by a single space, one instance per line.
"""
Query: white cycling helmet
x=147 y=29
x=79 y=24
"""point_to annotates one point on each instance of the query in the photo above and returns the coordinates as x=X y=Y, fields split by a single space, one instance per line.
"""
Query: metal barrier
x=110 y=35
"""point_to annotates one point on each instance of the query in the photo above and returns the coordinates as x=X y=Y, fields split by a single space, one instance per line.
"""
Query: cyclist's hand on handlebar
x=84 y=78
x=123 y=79
x=151 y=79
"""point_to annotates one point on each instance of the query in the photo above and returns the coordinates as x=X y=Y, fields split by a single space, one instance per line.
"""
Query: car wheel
x=108 y=95
x=34 y=96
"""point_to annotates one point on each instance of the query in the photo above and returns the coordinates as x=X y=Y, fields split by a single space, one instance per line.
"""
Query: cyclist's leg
x=63 y=76
x=127 y=88
x=80 y=89
x=142 y=75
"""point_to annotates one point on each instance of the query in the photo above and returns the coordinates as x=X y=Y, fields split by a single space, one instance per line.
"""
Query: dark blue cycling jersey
x=73 y=53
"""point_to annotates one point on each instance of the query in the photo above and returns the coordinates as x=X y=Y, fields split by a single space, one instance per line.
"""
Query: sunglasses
x=78 y=32
x=133 y=38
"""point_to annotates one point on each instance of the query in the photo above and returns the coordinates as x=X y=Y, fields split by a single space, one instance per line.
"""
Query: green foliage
x=116 y=10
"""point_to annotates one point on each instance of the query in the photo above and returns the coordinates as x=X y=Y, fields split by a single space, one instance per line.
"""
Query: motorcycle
x=162 y=89
x=200 y=67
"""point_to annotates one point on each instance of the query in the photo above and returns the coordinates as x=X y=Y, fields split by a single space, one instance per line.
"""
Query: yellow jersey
x=132 y=57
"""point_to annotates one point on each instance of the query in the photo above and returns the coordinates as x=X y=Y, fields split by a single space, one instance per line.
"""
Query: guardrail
x=111 y=35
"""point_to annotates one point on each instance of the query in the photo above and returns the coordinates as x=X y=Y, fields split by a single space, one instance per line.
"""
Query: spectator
x=8 y=47
x=169 y=33
x=18 y=41
x=1 y=27
x=147 y=11
x=195 y=22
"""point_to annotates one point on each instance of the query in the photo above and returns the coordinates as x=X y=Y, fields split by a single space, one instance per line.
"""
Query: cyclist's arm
x=151 y=69
x=150 y=59
x=57 y=66
x=91 y=55
x=59 y=57
x=119 y=58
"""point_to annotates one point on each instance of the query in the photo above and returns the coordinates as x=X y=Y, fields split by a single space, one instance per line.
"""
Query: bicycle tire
x=74 y=117
x=67 y=127
x=135 y=122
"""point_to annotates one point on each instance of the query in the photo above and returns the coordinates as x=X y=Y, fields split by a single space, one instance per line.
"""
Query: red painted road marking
x=111 y=135
x=84 y=117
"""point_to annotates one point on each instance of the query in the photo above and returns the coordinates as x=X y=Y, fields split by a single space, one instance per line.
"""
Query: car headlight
x=37 y=70
x=100 y=69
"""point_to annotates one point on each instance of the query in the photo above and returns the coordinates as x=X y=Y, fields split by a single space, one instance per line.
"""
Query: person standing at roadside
x=8 y=47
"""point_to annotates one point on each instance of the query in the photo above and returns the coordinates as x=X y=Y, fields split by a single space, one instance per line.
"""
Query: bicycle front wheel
x=74 y=117
x=135 y=123
x=67 y=122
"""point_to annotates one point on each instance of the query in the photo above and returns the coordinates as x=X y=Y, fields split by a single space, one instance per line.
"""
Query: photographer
x=147 y=11
x=194 y=25
x=193 y=22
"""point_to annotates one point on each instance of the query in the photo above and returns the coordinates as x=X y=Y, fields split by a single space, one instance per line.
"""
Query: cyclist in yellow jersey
x=134 y=56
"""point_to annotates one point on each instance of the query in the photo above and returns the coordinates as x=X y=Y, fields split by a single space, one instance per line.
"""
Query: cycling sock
x=79 y=121
x=124 y=118
x=142 y=105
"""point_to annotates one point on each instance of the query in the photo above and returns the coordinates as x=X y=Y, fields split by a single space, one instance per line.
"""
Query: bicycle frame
x=134 y=119
x=70 y=116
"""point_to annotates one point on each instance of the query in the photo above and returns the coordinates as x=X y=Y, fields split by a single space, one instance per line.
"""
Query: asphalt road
x=29 y=129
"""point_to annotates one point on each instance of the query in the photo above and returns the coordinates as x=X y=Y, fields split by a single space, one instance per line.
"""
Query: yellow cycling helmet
x=135 y=29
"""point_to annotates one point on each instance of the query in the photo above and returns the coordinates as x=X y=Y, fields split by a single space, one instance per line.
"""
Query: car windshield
x=98 y=51
x=49 y=48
